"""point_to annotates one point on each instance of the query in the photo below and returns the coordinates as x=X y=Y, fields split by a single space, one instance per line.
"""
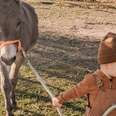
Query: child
x=100 y=86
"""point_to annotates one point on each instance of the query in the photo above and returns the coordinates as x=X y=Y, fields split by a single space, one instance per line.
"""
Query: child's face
x=109 y=68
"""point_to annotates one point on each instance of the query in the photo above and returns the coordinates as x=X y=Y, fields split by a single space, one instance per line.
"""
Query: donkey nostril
x=14 y=58
x=8 y=61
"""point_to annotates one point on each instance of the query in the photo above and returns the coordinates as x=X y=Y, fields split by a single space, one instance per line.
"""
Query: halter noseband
x=16 y=42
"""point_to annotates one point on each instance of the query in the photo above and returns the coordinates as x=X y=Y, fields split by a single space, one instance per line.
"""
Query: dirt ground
x=80 y=21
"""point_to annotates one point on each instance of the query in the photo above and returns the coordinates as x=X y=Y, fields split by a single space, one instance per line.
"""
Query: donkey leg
x=13 y=75
x=13 y=79
x=6 y=93
x=6 y=88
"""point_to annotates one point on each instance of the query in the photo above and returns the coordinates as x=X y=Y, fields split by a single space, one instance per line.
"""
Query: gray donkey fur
x=18 y=20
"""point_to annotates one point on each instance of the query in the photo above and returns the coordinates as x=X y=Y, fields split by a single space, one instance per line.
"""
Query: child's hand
x=55 y=102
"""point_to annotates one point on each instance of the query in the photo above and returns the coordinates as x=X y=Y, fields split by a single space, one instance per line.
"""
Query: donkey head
x=10 y=28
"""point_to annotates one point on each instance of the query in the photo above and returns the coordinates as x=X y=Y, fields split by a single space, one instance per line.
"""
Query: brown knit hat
x=107 y=49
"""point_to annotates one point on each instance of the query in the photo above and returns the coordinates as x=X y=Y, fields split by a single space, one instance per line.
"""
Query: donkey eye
x=18 y=25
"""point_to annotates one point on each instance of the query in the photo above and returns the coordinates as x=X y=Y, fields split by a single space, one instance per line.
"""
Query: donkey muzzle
x=8 y=54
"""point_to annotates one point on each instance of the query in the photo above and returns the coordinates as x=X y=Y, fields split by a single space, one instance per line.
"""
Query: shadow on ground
x=64 y=57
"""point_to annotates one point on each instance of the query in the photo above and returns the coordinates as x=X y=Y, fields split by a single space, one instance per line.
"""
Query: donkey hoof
x=9 y=114
x=14 y=105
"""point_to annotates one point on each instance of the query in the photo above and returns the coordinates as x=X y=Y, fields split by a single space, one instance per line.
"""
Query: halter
x=16 y=42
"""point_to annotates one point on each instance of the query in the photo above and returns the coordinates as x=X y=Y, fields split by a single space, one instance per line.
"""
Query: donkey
x=18 y=29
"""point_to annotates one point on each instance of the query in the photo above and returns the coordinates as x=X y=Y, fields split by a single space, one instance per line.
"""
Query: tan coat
x=101 y=92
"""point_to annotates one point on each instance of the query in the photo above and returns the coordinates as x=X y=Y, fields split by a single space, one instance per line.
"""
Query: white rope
x=41 y=81
x=109 y=110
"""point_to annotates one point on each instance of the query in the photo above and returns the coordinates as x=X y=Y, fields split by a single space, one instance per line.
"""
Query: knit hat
x=107 y=49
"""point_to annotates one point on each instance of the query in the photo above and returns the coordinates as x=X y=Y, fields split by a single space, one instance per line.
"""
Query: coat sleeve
x=87 y=85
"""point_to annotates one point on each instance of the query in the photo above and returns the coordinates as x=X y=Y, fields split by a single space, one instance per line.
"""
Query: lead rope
x=40 y=80
x=109 y=110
